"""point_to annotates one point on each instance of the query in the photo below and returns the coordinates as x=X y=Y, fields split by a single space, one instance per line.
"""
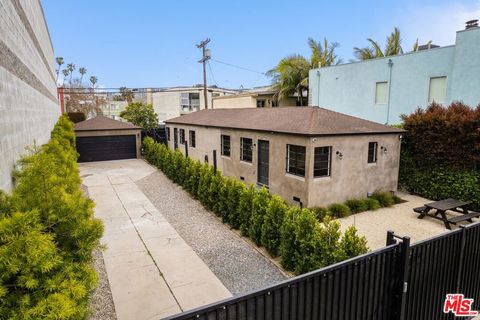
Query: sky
x=142 y=43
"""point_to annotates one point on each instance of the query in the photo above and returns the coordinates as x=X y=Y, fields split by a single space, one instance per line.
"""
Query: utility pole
x=205 y=58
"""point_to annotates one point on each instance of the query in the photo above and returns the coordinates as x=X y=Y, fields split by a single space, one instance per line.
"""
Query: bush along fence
x=440 y=155
x=295 y=234
x=47 y=235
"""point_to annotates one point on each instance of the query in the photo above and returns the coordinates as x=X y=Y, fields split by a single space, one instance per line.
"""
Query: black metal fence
x=399 y=281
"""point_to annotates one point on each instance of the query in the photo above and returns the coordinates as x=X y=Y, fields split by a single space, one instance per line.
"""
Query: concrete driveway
x=152 y=272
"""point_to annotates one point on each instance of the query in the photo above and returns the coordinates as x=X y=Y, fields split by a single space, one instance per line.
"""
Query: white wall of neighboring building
x=351 y=88
x=167 y=103
x=28 y=94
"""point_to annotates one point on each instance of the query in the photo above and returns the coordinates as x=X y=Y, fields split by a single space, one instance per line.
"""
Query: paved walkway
x=238 y=264
x=152 y=272
x=399 y=218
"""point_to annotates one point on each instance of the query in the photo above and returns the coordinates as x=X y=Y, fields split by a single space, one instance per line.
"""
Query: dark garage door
x=106 y=148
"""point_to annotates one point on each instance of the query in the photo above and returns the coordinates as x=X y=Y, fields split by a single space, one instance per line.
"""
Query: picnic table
x=442 y=206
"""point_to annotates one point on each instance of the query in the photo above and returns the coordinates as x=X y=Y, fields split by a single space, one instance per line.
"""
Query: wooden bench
x=464 y=217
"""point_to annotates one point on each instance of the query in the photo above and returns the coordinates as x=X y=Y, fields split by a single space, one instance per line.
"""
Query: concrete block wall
x=28 y=99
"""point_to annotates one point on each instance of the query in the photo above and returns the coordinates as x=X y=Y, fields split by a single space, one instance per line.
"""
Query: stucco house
x=383 y=89
x=261 y=97
x=310 y=156
x=172 y=102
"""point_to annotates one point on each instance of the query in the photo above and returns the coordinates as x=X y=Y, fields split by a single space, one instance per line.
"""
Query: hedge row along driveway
x=303 y=243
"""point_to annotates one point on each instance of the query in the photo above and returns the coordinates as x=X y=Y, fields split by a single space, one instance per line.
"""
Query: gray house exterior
x=382 y=89
x=308 y=155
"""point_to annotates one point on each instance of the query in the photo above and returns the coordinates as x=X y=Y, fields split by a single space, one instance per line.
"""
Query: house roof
x=104 y=123
x=313 y=121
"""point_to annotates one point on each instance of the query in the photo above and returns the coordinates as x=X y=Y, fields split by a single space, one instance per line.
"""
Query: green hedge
x=47 y=235
x=303 y=243
x=440 y=153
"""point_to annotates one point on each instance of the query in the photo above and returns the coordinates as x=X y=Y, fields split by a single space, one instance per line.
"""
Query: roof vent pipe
x=471 y=24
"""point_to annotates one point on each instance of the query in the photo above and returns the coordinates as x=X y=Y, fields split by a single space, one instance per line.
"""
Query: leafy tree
x=272 y=224
x=288 y=240
x=126 y=94
x=307 y=241
x=141 y=115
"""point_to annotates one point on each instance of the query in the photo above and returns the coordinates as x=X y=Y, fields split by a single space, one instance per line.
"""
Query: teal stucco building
x=383 y=89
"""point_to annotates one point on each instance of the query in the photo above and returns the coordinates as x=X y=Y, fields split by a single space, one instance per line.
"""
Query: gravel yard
x=239 y=266
x=101 y=301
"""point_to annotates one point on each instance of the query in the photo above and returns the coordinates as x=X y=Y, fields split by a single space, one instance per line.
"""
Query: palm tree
x=82 y=72
x=290 y=76
x=93 y=81
x=323 y=56
x=65 y=72
x=59 y=61
x=393 y=47
x=70 y=68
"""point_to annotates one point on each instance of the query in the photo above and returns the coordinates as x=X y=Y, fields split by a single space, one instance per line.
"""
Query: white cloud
x=436 y=23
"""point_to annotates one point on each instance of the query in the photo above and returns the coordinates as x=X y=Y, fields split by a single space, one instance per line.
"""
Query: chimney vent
x=471 y=24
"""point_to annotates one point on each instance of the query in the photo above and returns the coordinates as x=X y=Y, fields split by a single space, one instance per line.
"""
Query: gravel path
x=101 y=301
x=237 y=264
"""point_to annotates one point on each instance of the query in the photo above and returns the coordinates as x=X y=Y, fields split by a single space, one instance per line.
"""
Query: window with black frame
x=182 y=136
x=225 y=145
x=322 y=162
x=296 y=159
x=372 y=152
x=246 y=149
x=192 y=138
x=168 y=134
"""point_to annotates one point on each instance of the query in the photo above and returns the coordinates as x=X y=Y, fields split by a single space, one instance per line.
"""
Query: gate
x=399 y=281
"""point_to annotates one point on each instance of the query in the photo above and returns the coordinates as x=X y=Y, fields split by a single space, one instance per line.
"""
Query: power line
x=211 y=73
x=238 y=67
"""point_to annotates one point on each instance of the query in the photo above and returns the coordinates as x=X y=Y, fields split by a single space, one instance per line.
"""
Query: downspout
x=390 y=66
x=318 y=89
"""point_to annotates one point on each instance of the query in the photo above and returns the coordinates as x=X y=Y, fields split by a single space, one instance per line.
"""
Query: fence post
x=390 y=238
x=215 y=160
x=460 y=260
x=404 y=272
x=186 y=148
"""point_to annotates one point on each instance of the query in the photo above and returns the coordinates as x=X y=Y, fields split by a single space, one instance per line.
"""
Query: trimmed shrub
x=214 y=193
x=385 y=199
x=245 y=207
x=329 y=234
x=235 y=191
x=352 y=244
x=372 y=204
x=259 y=209
x=272 y=224
x=357 y=205
x=321 y=213
x=339 y=210
x=47 y=235
x=295 y=233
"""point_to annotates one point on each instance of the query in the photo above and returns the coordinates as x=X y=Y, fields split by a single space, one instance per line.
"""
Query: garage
x=102 y=139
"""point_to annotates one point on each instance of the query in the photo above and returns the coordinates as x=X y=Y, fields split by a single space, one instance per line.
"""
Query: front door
x=175 y=138
x=263 y=162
